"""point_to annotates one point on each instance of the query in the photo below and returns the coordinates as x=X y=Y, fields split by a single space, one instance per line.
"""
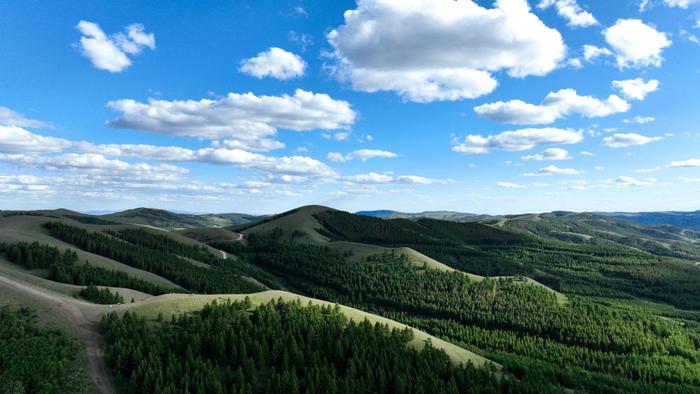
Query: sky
x=492 y=107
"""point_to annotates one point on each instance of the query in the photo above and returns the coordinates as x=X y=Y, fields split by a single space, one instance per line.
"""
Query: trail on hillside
x=87 y=330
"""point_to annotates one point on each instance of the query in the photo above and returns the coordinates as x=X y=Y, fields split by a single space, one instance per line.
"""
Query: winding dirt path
x=87 y=329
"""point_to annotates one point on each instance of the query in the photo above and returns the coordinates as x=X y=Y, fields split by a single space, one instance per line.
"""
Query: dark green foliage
x=166 y=244
x=223 y=278
x=63 y=268
x=589 y=269
x=34 y=255
x=86 y=274
x=101 y=296
x=605 y=348
x=32 y=359
x=281 y=348
x=90 y=220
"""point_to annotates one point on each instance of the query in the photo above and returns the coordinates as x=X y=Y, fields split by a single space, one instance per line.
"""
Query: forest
x=591 y=270
x=281 y=347
x=523 y=327
x=63 y=268
x=33 y=359
x=220 y=278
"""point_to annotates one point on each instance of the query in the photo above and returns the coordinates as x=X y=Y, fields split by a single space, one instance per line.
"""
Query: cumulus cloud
x=244 y=117
x=549 y=154
x=517 y=140
x=635 y=43
x=591 y=52
x=624 y=140
x=142 y=151
x=9 y=117
x=431 y=50
x=287 y=165
x=362 y=154
x=510 y=185
x=636 y=89
x=15 y=139
x=24 y=184
x=98 y=165
x=685 y=163
x=571 y=11
x=110 y=53
x=276 y=63
x=556 y=105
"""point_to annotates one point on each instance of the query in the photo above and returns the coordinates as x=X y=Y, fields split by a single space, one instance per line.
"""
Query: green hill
x=170 y=220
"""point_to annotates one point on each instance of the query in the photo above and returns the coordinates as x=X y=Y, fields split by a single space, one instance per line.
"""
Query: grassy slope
x=150 y=307
x=28 y=229
x=182 y=303
x=302 y=219
x=169 y=220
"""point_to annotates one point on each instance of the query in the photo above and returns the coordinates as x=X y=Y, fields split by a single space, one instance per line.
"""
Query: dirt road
x=87 y=328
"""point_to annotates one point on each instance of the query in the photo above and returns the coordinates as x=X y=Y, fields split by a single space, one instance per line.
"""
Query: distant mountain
x=689 y=220
x=440 y=215
x=382 y=213
x=170 y=220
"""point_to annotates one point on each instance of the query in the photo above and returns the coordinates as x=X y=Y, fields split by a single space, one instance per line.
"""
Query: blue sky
x=262 y=106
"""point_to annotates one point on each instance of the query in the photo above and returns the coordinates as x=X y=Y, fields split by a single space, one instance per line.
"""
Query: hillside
x=456 y=292
x=169 y=220
x=588 y=228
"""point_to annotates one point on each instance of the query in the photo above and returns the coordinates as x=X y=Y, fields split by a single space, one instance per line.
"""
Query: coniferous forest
x=591 y=330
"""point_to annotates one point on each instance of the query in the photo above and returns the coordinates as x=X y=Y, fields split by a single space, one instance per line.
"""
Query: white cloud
x=362 y=154
x=375 y=178
x=261 y=145
x=25 y=184
x=685 y=163
x=431 y=50
x=549 y=154
x=569 y=9
x=639 y=120
x=636 y=89
x=510 y=185
x=147 y=152
x=9 y=117
x=555 y=105
x=111 y=52
x=244 y=117
x=554 y=170
x=624 y=140
x=647 y=170
x=629 y=181
x=688 y=36
x=339 y=136
x=15 y=139
x=591 y=52
x=517 y=140
x=636 y=44
x=276 y=63
x=681 y=3
x=287 y=165
x=587 y=154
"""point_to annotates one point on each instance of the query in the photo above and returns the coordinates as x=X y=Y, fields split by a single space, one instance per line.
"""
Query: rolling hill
x=515 y=296
x=169 y=220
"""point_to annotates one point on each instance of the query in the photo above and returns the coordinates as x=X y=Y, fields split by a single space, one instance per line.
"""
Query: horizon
x=179 y=212
x=580 y=106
